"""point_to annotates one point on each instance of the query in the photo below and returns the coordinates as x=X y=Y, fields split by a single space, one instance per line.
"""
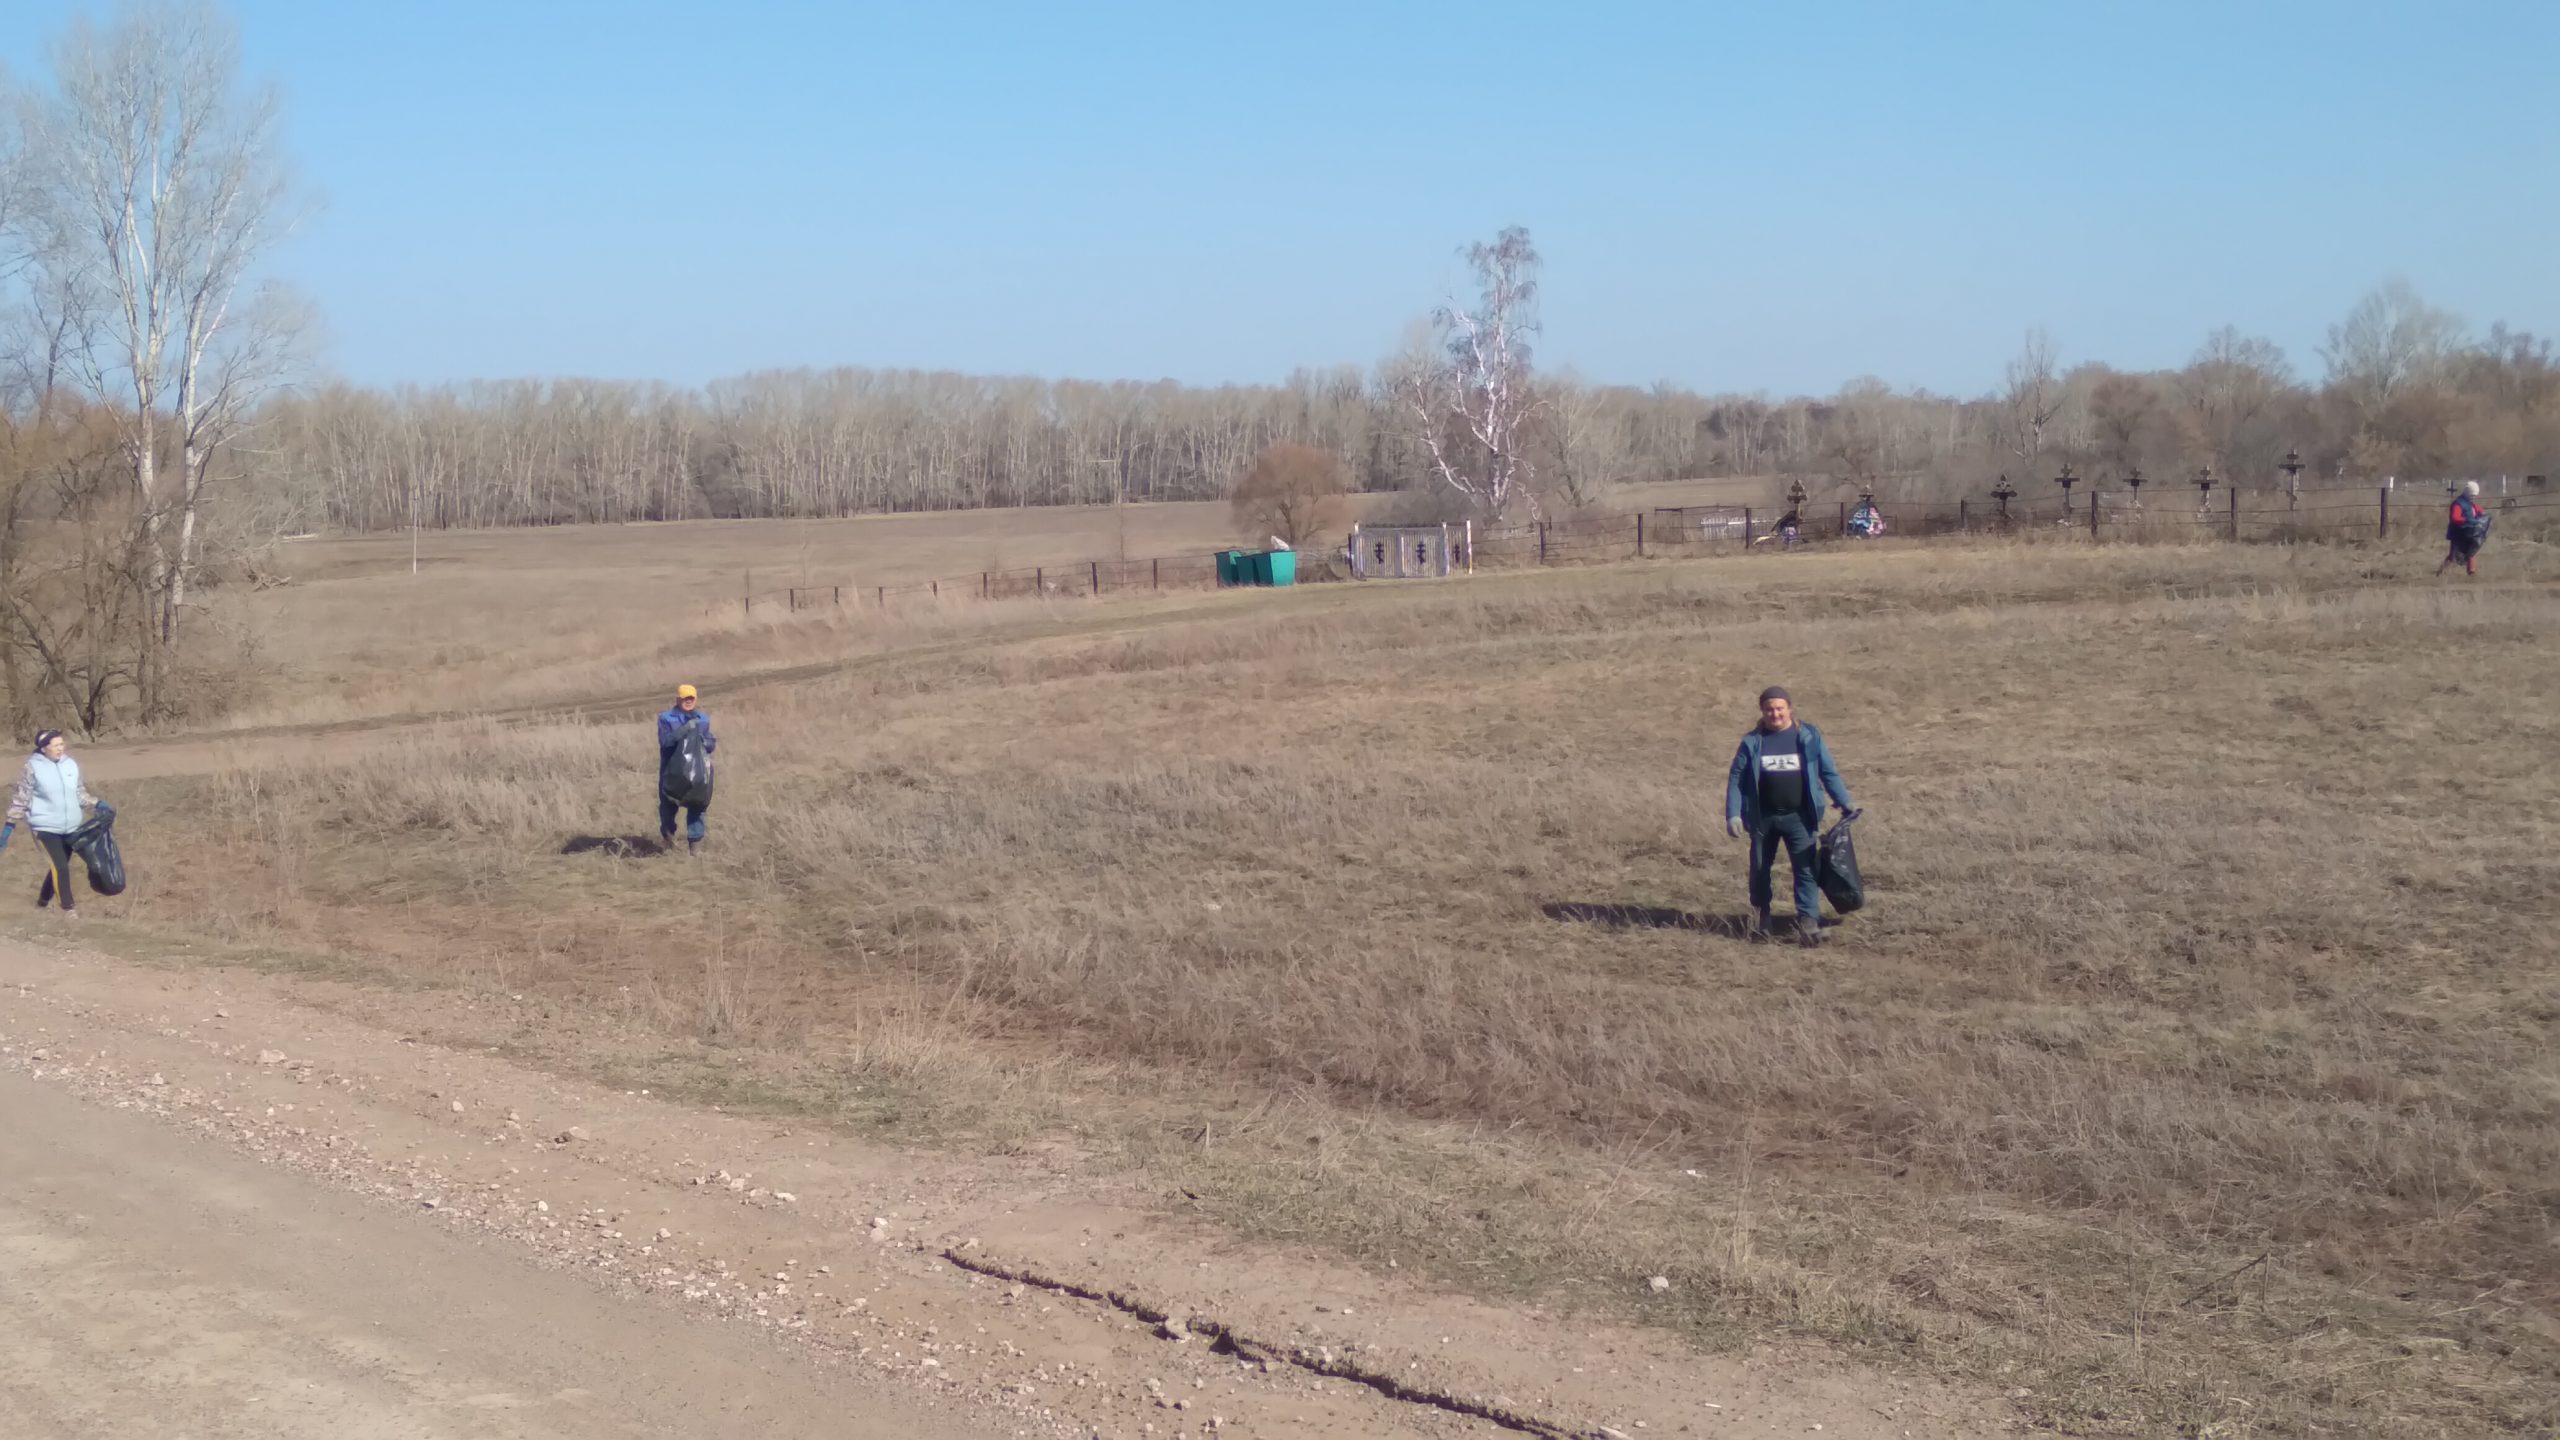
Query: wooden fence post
x=880 y=597
x=1639 y=534
x=1964 y=518
x=791 y=600
x=839 y=597
x=937 y=589
x=1746 y=527
x=1155 y=574
x=2093 y=512
x=1040 y=579
x=2235 y=512
x=1542 y=542
x=982 y=584
x=1844 y=520
x=1097 y=577
x=2383 y=529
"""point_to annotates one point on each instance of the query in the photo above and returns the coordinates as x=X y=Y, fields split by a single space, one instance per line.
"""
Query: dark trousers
x=692 y=819
x=1791 y=833
x=57 y=875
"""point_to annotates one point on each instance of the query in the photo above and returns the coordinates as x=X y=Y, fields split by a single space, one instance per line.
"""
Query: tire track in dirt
x=1317 y=1360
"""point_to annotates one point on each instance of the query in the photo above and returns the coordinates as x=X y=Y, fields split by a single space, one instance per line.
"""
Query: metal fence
x=2098 y=515
x=1083 y=577
x=2154 y=513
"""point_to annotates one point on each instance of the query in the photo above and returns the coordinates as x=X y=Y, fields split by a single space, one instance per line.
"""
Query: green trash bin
x=1231 y=567
x=1280 y=567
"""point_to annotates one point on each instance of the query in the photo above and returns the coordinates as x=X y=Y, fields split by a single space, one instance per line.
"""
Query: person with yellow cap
x=677 y=726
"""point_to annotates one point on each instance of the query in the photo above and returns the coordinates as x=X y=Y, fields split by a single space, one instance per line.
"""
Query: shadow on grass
x=1647 y=917
x=630 y=847
x=1661 y=917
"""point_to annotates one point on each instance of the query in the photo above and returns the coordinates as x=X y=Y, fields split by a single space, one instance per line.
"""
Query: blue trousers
x=692 y=820
x=1796 y=837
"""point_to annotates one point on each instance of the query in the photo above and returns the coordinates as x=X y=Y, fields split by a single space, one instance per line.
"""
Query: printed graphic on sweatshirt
x=1791 y=763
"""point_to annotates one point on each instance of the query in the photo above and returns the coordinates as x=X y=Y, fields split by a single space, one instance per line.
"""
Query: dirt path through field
x=226 y=1210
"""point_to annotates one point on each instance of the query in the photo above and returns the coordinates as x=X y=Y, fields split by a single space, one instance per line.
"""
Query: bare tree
x=1588 y=451
x=2124 y=413
x=2390 y=341
x=1863 y=435
x=162 y=184
x=16 y=171
x=1293 y=493
x=1471 y=402
x=2031 y=397
x=2233 y=380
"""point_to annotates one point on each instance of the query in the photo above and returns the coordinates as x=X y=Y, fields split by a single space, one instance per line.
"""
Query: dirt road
x=160 y=1284
x=242 y=1204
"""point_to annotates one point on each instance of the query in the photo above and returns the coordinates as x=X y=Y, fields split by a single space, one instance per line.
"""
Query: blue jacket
x=1742 y=785
x=2465 y=520
x=671 y=724
x=49 y=796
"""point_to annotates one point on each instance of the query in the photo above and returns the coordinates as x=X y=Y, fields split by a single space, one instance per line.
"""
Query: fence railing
x=2102 y=515
x=2124 y=514
x=1081 y=577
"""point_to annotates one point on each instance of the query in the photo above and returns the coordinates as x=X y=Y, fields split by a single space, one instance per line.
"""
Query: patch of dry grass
x=2212 y=939
x=501 y=618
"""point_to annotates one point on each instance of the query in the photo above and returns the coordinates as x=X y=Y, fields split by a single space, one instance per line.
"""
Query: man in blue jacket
x=672 y=724
x=1774 y=794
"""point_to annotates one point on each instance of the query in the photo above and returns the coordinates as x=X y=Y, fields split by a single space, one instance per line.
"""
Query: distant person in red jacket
x=2466 y=529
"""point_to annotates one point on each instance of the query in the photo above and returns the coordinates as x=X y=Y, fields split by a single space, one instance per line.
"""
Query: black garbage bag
x=1836 y=866
x=684 y=778
x=95 y=843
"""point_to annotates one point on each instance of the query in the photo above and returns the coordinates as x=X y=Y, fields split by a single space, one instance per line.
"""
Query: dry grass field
x=2191 y=1073
x=499 y=619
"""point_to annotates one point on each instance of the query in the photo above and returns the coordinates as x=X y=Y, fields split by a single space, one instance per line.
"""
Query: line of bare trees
x=2404 y=390
x=140 y=184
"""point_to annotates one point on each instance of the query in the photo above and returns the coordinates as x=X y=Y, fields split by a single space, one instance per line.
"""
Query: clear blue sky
x=1729 y=196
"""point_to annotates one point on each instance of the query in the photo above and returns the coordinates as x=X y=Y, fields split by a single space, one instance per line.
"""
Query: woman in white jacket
x=51 y=800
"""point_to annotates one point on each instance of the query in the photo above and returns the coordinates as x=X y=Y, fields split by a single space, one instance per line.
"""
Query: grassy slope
x=2213 y=924
x=514 y=617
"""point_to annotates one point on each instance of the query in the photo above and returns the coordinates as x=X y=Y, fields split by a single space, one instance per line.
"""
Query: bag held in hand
x=685 y=776
x=1836 y=866
x=95 y=843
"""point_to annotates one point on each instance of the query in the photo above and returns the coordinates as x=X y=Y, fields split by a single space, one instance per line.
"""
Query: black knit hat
x=46 y=737
x=1775 y=692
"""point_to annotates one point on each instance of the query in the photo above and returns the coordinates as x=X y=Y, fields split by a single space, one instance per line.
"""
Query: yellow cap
x=687 y=692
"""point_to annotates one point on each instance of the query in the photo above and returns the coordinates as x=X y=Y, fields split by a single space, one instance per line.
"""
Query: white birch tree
x=161 y=187
x=1471 y=402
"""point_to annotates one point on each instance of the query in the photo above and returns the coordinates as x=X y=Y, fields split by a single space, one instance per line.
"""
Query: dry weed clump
x=2215 y=888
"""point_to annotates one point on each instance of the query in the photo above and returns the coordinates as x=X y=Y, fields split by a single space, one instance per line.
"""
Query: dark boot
x=1761 y=928
x=1808 y=932
x=666 y=841
x=692 y=846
